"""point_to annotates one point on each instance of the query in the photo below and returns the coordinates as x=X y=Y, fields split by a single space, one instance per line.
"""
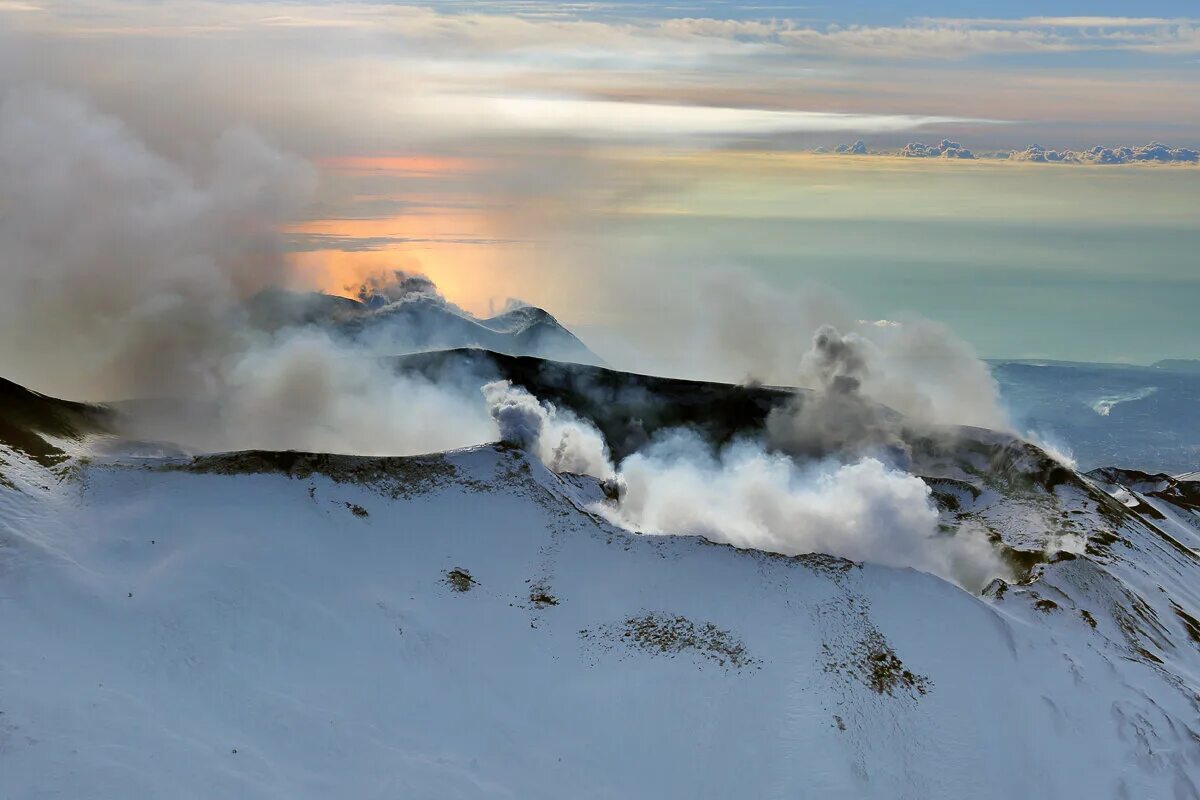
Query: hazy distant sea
x=1145 y=418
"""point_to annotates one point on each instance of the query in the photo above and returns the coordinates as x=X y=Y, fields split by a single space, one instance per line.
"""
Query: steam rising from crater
x=751 y=498
x=126 y=275
x=561 y=440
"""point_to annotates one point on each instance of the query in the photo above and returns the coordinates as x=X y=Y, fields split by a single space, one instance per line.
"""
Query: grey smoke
x=304 y=390
x=839 y=363
x=125 y=275
x=836 y=419
x=748 y=330
x=123 y=268
x=747 y=495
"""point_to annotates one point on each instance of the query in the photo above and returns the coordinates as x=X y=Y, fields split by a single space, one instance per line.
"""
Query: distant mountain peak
x=409 y=315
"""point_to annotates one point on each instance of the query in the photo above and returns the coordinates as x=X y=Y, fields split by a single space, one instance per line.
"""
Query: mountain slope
x=626 y=407
x=36 y=425
x=265 y=625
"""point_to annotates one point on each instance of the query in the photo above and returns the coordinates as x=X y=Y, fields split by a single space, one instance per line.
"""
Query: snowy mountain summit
x=474 y=624
x=408 y=314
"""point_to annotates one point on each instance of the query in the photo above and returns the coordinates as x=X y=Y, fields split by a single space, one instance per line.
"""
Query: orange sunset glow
x=417 y=165
x=448 y=245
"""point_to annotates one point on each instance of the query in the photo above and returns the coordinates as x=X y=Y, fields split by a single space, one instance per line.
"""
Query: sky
x=610 y=161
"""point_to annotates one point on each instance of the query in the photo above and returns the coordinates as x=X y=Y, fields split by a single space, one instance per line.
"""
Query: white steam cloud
x=752 y=498
x=562 y=441
x=864 y=511
x=1054 y=446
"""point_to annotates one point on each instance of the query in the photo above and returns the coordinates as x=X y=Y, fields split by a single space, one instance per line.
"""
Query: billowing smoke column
x=304 y=390
x=914 y=366
x=836 y=420
x=122 y=268
x=124 y=274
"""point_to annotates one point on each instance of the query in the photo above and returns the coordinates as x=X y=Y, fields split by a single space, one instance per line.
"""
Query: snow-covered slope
x=463 y=625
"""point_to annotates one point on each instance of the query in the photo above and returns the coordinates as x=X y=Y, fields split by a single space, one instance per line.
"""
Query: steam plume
x=864 y=511
x=562 y=441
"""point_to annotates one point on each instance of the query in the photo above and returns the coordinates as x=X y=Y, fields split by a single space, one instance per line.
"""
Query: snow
x=157 y=620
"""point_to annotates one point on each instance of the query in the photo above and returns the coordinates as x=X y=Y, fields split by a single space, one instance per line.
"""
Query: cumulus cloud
x=943 y=149
x=1054 y=22
x=1125 y=154
x=677 y=38
x=1154 y=152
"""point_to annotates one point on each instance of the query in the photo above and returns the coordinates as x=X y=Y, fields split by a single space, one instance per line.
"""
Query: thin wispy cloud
x=610 y=119
x=432 y=73
x=492 y=28
x=1059 y=22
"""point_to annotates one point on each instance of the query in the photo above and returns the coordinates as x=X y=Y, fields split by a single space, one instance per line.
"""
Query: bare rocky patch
x=671 y=635
x=460 y=580
x=540 y=597
x=874 y=663
x=393 y=476
x=858 y=652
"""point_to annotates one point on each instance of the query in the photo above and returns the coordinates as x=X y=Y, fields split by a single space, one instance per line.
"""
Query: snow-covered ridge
x=416 y=321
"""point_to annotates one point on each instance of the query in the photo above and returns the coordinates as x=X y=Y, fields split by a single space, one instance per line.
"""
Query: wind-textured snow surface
x=461 y=626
